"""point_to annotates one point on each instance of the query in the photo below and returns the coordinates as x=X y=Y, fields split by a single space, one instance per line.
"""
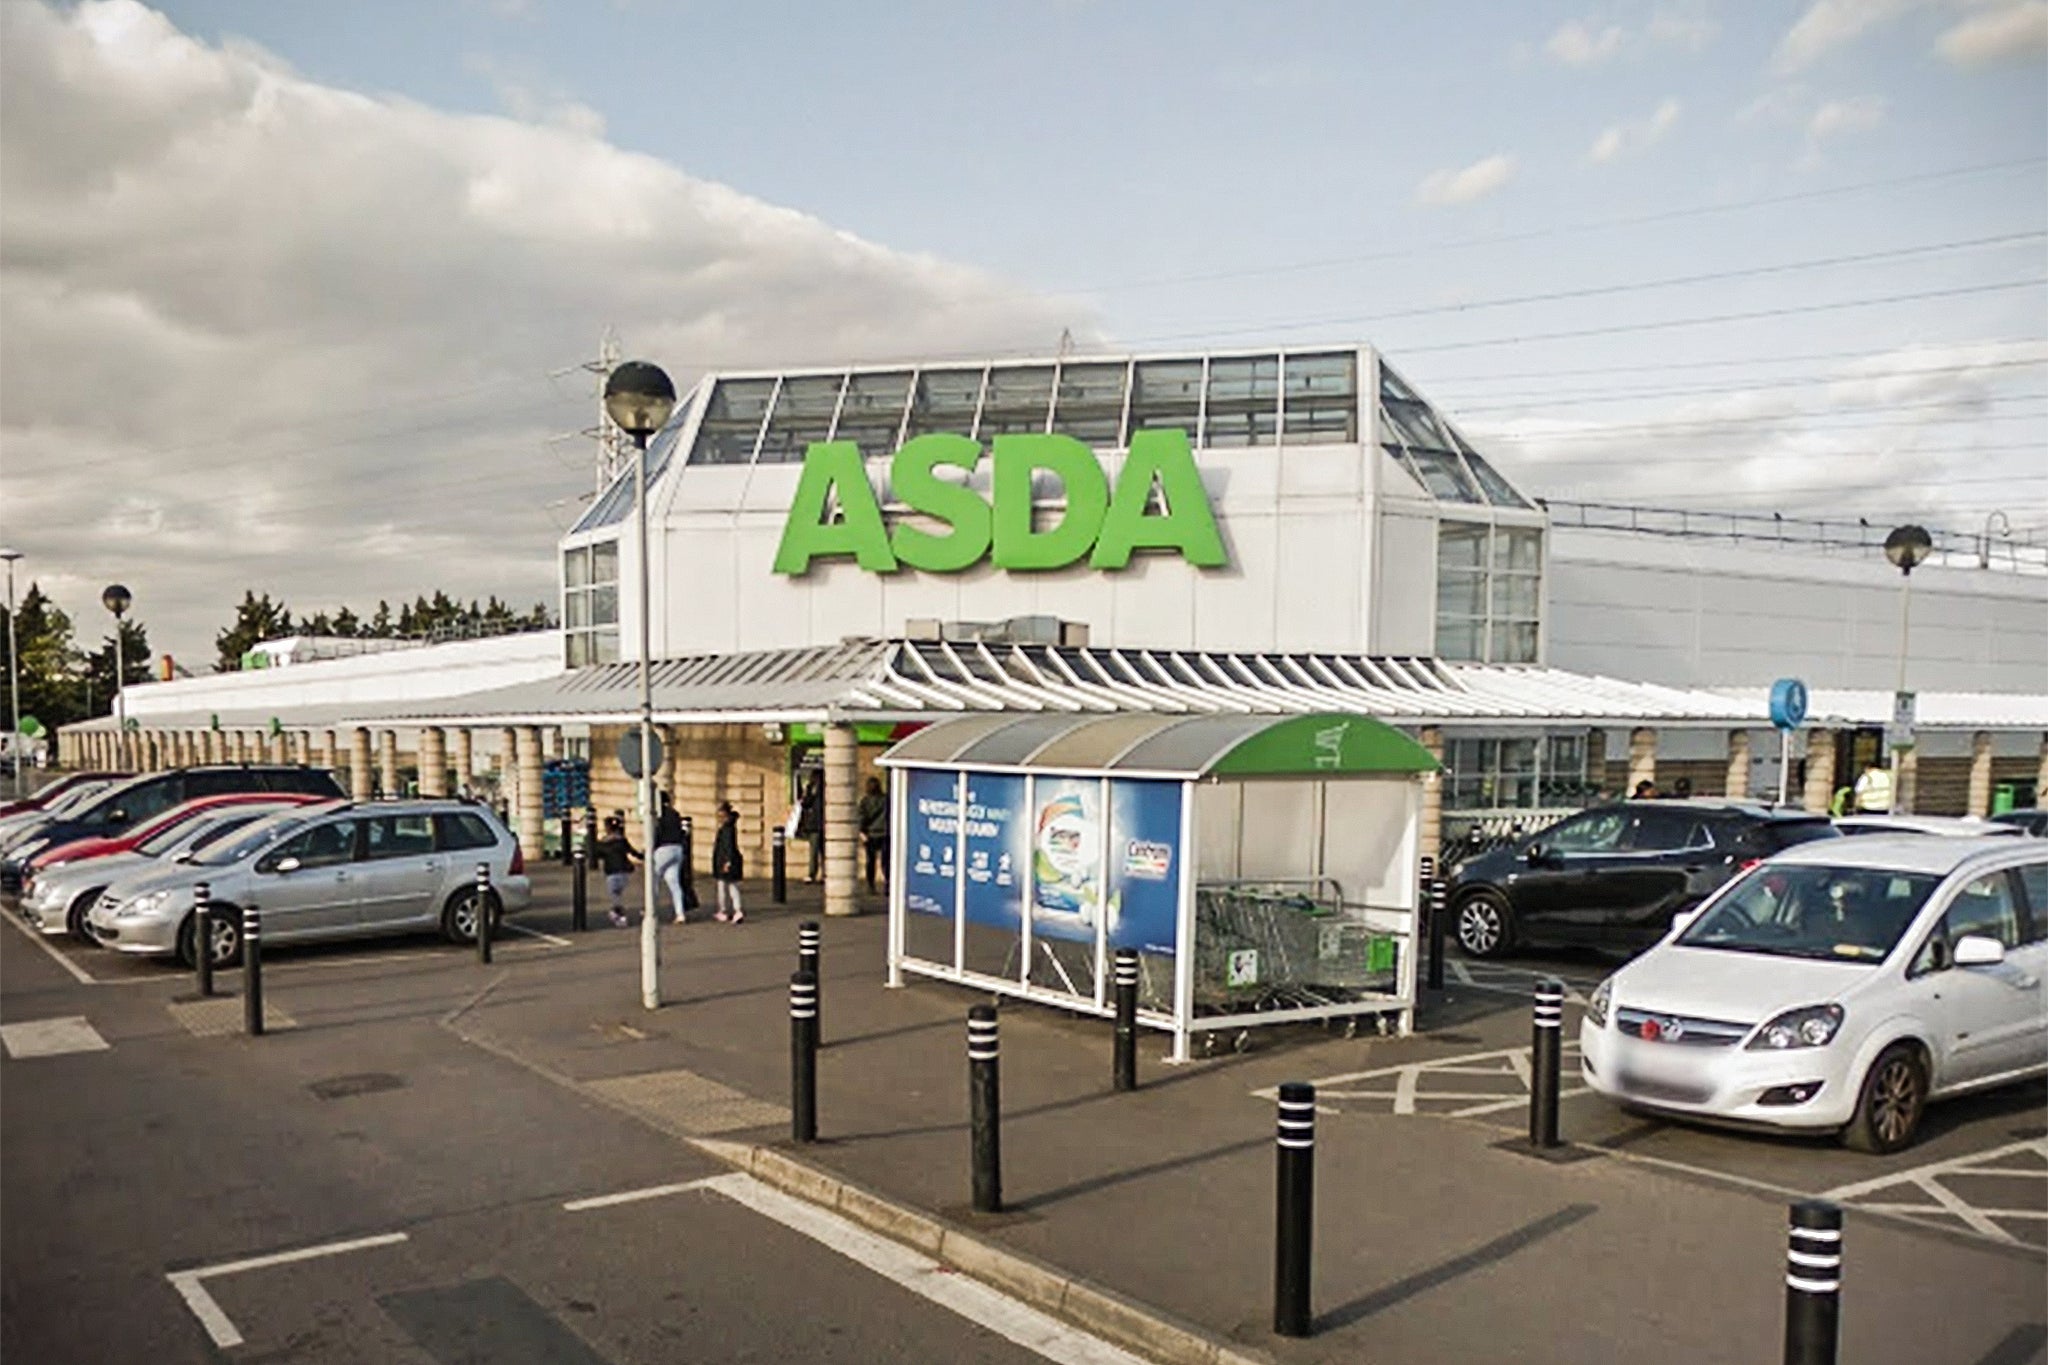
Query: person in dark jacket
x=873 y=818
x=810 y=824
x=668 y=854
x=727 y=865
x=616 y=856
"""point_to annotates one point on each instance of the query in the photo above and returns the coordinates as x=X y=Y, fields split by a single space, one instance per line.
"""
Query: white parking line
x=605 y=1201
x=35 y=936
x=216 y=1322
x=1927 y=1180
x=535 y=933
x=978 y=1303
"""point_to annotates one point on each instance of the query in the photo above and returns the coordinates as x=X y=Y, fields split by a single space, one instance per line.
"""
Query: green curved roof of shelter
x=1151 y=745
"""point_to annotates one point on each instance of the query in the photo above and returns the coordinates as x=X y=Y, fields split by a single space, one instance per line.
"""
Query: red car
x=100 y=845
x=50 y=791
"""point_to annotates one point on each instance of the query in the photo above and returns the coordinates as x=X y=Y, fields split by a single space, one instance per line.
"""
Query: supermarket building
x=838 y=554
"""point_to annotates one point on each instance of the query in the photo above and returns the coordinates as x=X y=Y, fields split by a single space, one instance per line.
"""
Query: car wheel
x=227 y=937
x=458 y=921
x=1484 y=927
x=74 y=918
x=1894 y=1097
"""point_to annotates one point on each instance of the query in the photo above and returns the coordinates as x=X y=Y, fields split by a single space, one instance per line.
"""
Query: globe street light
x=116 y=600
x=1907 y=547
x=13 y=672
x=638 y=397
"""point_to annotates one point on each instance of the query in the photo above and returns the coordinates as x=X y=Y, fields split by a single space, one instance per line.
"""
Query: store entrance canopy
x=1188 y=748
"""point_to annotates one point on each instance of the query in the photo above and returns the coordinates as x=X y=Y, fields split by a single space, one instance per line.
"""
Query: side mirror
x=1536 y=855
x=1683 y=920
x=1978 y=950
x=117 y=816
x=283 y=865
x=183 y=855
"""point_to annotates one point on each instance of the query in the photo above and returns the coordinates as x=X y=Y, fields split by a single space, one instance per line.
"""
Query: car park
x=43 y=796
x=331 y=871
x=71 y=798
x=1837 y=988
x=63 y=882
x=1615 y=875
x=1944 y=826
x=124 y=804
x=2032 y=820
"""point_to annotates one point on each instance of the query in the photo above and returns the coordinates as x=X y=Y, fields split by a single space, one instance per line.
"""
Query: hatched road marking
x=2018 y=1171
x=1466 y=1086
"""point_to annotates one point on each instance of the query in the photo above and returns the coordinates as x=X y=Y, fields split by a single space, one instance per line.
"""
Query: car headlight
x=1596 y=1008
x=146 y=904
x=1808 y=1026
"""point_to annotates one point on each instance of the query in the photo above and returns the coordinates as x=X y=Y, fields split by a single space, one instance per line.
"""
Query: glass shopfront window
x=590 y=604
x=1488 y=592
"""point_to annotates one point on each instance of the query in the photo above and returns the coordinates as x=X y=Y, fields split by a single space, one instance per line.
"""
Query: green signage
x=835 y=514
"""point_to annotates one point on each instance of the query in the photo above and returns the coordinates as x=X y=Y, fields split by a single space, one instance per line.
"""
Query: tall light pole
x=639 y=397
x=116 y=599
x=1907 y=547
x=13 y=673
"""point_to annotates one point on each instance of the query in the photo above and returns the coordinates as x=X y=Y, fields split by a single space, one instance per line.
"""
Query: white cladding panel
x=1402 y=615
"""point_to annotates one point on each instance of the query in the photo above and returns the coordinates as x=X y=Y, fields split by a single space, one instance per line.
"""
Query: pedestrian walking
x=668 y=856
x=727 y=865
x=810 y=824
x=873 y=818
x=616 y=856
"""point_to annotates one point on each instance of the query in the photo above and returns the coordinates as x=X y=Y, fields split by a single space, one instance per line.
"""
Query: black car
x=138 y=798
x=1613 y=876
x=2033 y=820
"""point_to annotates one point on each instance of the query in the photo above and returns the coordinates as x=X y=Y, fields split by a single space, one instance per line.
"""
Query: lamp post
x=13 y=674
x=638 y=398
x=116 y=599
x=1907 y=547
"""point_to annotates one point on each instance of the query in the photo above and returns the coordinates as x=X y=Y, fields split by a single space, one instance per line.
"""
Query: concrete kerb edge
x=1132 y=1326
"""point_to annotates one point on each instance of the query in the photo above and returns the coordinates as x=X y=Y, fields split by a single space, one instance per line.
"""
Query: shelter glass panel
x=1090 y=403
x=732 y=421
x=802 y=415
x=872 y=414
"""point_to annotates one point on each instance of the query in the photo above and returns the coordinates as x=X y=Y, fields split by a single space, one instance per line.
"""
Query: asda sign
x=836 y=515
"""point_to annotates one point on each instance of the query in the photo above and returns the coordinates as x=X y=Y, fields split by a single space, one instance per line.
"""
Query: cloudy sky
x=293 y=297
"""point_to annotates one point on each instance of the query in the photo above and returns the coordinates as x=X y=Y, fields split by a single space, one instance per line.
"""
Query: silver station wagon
x=336 y=870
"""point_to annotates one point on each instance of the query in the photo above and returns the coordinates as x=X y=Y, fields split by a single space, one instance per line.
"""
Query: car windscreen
x=1841 y=914
x=201 y=831
x=257 y=838
x=1780 y=835
x=78 y=796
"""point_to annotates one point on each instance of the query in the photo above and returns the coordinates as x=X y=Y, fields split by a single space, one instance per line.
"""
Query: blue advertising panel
x=1144 y=865
x=932 y=826
x=996 y=849
x=1066 y=858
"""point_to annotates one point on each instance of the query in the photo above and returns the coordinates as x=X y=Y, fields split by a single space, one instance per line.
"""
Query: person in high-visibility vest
x=1874 y=790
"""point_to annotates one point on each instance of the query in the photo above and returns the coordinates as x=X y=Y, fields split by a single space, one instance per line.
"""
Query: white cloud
x=524 y=100
x=1634 y=136
x=1829 y=24
x=1577 y=44
x=2008 y=33
x=261 y=332
x=1688 y=27
x=1836 y=117
x=1466 y=184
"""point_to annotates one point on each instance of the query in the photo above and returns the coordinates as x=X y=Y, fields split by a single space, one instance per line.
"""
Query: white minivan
x=1838 y=986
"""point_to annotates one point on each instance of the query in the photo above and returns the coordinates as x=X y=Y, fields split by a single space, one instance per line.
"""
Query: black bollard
x=1124 y=1065
x=568 y=838
x=252 y=971
x=778 y=867
x=1439 y=928
x=984 y=1092
x=483 y=913
x=803 y=1056
x=1813 y=1284
x=202 y=935
x=1547 y=1047
x=809 y=945
x=1295 y=1197
x=689 y=863
x=579 y=892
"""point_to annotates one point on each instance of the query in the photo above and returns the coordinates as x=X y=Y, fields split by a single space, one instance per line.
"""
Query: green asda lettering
x=835 y=514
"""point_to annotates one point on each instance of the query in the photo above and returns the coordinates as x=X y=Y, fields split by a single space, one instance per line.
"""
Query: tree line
x=61 y=681
x=439 y=617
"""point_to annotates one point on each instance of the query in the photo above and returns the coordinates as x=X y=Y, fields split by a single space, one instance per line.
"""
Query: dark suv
x=139 y=798
x=1613 y=876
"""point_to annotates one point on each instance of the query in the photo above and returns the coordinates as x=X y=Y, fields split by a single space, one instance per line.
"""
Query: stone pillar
x=508 y=775
x=526 y=745
x=550 y=743
x=1905 y=786
x=433 y=761
x=1980 y=774
x=323 y=750
x=1737 y=787
x=2041 y=772
x=1431 y=842
x=1642 y=757
x=666 y=777
x=387 y=762
x=1820 y=770
x=359 y=778
x=842 y=778
x=465 y=759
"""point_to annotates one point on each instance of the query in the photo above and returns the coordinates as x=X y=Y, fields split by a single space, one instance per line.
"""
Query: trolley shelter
x=1262 y=866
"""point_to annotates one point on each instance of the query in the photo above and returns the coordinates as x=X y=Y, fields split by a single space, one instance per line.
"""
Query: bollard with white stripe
x=984 y=1098
x=1124 y=1065
x=579 y=893
x=202 y=935
x=483 y=913
x=1295 y=1198
x=252 y=971
x=803 y=1056
x=1439 y=931
x=1813 y=1283
x=778 y=866
x=809 y=948
x=1547 y=1049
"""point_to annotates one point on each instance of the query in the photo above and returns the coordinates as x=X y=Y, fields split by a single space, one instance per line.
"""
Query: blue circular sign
x=1788 y=703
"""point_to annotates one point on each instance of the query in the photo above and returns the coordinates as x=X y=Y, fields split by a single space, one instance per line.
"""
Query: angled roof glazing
x=1424 y=444
x=616 y=502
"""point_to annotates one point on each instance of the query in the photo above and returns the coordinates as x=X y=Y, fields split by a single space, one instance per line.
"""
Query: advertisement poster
x=932 y=827
x=1144 y=865
x=1066 y=858
x=996 y=849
